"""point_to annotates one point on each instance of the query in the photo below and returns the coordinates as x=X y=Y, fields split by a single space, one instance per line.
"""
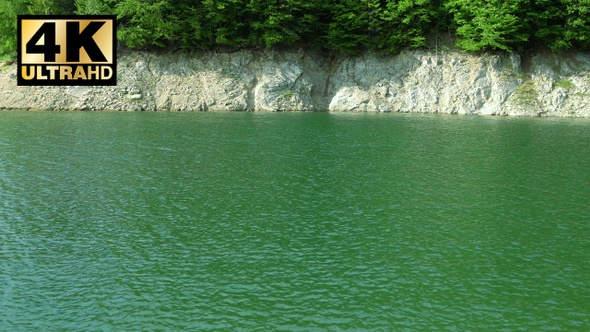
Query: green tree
x=284 y=22
x=349 y=29
x=349 y=26
x=55 y=7
x=224 y=23
x=66 y=7
x=484 y=24
x=145 y=23
x=9 y=9
x=381 y=25
x=159 y=23
x=188 y=18
x=545 y=20
x=407 y=23
x=95 y=7
x=577 y=24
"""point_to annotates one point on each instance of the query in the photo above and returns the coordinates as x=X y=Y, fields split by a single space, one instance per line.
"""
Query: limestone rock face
x=412 y=81
x=425 y=83
x=281 y=83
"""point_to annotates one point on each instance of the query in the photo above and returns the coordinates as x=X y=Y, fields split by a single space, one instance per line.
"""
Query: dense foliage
x=350 y=26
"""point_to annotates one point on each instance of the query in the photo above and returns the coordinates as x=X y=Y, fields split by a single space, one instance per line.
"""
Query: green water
x=293 y=222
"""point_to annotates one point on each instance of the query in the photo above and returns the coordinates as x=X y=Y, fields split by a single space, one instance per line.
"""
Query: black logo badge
x=66 y=50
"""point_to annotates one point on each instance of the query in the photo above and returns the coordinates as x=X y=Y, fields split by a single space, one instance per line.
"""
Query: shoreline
x=546 y=85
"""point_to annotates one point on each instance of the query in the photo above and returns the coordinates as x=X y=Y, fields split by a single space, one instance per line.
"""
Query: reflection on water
x=115 y=221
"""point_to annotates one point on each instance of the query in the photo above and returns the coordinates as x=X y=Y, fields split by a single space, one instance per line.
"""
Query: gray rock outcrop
x=412 y=81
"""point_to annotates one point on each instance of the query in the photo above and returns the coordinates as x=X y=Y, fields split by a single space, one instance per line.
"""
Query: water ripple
x=292 y=222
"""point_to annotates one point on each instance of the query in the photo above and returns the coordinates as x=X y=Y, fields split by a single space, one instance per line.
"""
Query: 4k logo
x=66 y=50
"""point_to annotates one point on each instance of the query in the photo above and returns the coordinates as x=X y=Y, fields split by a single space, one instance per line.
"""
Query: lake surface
x=293 y=222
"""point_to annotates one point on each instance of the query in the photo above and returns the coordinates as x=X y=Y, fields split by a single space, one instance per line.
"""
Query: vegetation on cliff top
x=349 y=26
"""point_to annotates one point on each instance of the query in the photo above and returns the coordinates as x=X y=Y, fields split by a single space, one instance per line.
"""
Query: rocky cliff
x=412 y=81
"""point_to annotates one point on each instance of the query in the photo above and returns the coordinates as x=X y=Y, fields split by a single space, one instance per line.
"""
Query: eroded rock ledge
x=412 y=81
